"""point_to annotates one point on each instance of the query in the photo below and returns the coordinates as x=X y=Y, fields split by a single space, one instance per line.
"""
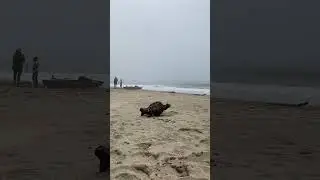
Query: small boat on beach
x=81 y=82
x=132 y=87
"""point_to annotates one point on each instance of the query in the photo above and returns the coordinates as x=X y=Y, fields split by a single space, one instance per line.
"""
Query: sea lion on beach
x=103 y=155
x=154 y=109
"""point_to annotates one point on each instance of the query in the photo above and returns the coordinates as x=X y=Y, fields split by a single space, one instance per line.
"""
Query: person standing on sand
x=115 y=82
x=17 y=66
x=35 y=72
x=120 y=83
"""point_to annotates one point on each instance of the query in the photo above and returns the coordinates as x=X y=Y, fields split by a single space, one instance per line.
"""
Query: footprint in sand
x=205 y=141
x=166 y=120
x=132 y=172
x=191 y=130
x=144 y=146
x=170 y=113
x=117 y=152
x=126 y=176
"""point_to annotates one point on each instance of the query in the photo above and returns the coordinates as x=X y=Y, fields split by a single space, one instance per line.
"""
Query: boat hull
x=132 y=87
x=61 y=83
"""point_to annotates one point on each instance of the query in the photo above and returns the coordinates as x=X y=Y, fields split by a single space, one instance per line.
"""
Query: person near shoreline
x=35 y=72
x=17 y=66
x=115 y=82
x=121 y=83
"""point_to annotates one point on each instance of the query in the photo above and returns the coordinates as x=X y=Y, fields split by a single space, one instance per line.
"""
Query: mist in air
x=160 y=40
x=68 y=36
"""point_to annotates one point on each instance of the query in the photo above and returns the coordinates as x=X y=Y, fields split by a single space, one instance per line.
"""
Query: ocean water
x=267 y=93
x=268 y=85
x=170 y=88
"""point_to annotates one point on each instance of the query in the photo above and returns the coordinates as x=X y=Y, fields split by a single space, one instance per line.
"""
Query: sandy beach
x=259 y=141
x=47 y=134
x=175 y=145
x=51 y=134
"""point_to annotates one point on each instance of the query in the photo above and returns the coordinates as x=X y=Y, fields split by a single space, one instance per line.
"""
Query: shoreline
x=7 y=84
x=169 y=92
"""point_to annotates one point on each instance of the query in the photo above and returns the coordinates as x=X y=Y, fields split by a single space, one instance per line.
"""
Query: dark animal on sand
x=103 y=155
x=154 y=109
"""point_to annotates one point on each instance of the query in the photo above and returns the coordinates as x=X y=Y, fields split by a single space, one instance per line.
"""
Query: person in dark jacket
x=35 y=72
x=121 y=83
x=17 y=66
x=115 y=82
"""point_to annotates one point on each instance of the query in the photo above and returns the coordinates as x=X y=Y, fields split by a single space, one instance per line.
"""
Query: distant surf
x=164 y=88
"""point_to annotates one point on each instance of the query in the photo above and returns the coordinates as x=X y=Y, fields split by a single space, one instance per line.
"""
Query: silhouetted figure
x=17 y=66
x=115 y=82
x=120 y=83
x=103 y=155
x=35 y=72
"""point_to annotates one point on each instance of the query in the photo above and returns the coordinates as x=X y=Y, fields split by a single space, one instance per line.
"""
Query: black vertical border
x=296 y=10
x=212 y=58
x=108 y=82
x=106 y=109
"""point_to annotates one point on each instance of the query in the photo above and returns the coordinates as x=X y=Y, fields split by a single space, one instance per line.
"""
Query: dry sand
x=173 y=146
x=259 y=141
x=50 y=134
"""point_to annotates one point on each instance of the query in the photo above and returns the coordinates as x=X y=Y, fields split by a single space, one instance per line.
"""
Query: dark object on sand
x=154 y=109
x=81 y=82
x=103 y=155
x=199 y=94
x=132 y=87
x=17 y=66
x=291 y=105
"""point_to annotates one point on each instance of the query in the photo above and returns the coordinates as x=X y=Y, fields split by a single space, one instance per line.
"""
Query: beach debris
x=142 y=168
x=305 y=152
x=190 y=129
x=154 y=109
x=199 y=94
x=132 y=87
x=290 y=105
x=103 y=155
x=81 y=82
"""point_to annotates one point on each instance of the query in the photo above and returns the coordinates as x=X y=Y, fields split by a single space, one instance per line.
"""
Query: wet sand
x=260 y=141
x=50 y=134
x=175 y=145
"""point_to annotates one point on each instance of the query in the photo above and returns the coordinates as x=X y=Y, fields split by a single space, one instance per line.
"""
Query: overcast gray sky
x=67 y=35
x=279 y=36
x=153 y=40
